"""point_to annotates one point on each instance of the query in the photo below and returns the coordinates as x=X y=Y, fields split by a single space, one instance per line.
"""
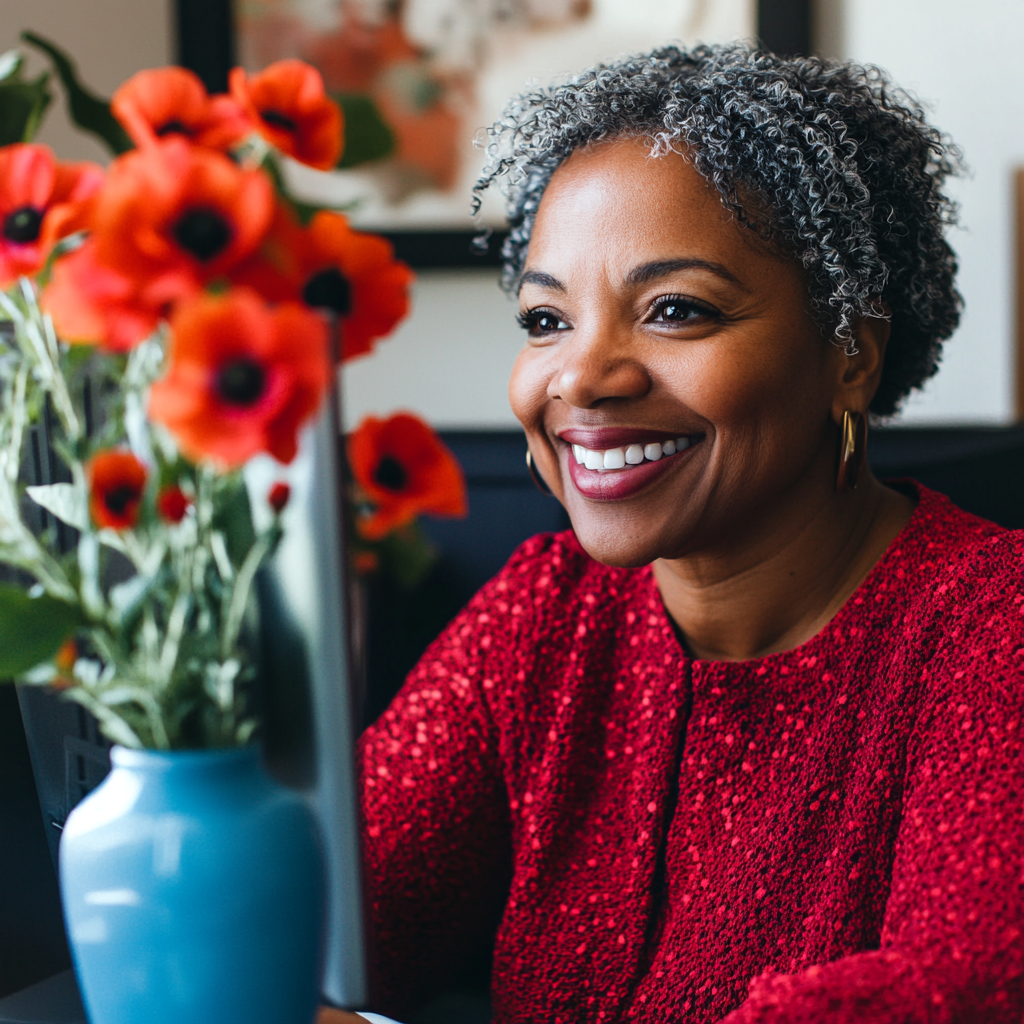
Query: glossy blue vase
x=193 y=893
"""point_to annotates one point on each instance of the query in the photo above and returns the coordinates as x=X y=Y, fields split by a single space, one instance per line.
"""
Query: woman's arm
x=952 y=944
x=437 y=833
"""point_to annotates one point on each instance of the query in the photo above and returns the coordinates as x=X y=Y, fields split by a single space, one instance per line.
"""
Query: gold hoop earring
x=538 y=480
x=853 y=445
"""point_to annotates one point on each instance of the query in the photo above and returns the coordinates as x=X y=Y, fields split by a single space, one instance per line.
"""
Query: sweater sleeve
x=952 y=943
x=437 y=846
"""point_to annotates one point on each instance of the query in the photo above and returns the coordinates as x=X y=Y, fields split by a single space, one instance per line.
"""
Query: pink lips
x=616 y=484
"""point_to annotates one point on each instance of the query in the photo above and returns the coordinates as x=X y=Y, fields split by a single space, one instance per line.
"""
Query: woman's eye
x=681 y=311
x=541 y=321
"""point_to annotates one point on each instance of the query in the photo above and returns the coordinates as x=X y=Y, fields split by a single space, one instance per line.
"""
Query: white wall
x=965 y=62
x=109 y=40
x=449 y=362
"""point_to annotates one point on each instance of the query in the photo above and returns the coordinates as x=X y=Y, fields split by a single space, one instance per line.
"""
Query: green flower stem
x=172 y=641
x=17 y=424
x=114 y=726
x=243 y=584
x=34 y=331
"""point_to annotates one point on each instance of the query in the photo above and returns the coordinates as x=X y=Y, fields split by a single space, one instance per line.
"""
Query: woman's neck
x=788 y=577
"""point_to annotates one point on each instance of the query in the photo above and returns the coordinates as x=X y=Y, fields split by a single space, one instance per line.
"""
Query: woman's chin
x=615 y=544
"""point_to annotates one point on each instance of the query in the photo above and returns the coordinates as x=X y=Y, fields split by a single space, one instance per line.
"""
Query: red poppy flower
x=405 y=470
x=275 y=269
x=64 y=661
x=173 y=101
x=169 y=219
x=292 y=111
x=89 y=302
x=172 y=503
x=67 y=655
x=33 y=188
x=74 y=198
x=116 y=482
x=330 y=266
x=365 y=562
x=356 y=276
x=243 y=376
x=278 y=497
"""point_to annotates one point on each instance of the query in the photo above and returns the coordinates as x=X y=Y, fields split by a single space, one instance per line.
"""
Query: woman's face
x=674 y=354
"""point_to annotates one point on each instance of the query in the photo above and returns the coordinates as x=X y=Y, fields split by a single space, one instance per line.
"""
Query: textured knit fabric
x=832 y=834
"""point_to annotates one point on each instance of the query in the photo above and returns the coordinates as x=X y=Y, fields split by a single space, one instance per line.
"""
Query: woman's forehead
x=615 y=203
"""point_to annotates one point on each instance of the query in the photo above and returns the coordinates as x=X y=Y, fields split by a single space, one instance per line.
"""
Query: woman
x=745 y=744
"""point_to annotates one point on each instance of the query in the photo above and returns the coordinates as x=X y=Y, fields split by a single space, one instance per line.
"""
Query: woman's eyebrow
x=660 y=268
x=539 y=277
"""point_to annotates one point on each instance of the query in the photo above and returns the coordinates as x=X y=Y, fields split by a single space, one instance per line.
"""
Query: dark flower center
x=390 y=474
x=118 y=499
x=22 y=225
x=203 y=232
x=172 y=128
x=278 y=120
x=329 y=289
x=241 y=382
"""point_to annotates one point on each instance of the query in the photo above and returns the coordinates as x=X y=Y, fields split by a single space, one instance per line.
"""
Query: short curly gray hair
x=829 y=162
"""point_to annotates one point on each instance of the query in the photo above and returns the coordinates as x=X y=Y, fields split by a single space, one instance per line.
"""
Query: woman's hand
x=328 y=1015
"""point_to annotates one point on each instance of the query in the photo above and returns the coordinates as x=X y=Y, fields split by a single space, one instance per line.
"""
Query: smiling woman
x=744 y=744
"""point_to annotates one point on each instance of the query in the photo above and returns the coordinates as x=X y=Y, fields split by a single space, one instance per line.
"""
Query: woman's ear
x=858 y=375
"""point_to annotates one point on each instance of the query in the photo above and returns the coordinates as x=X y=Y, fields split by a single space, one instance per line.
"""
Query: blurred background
x=419 y=79
x=437 y=71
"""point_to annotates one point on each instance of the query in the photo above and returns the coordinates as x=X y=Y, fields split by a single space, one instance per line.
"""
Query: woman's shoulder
x=966 y=577
x=972 y=552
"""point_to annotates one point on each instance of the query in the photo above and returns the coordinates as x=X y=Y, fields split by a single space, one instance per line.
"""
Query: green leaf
x=32 y=629
x=65 y=501
x=10 y=64
x=234 y=518
x=22 y=105
x=408 y=555
x=87 y=110
x=368 y=136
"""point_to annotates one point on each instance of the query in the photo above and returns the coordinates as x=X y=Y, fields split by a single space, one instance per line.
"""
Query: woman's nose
x=597 y=368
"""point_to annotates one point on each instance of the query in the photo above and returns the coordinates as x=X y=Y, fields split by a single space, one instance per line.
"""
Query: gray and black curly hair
x=828 y=162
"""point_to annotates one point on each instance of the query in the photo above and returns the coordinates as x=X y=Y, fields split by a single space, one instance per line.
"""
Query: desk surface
x=53 y=1001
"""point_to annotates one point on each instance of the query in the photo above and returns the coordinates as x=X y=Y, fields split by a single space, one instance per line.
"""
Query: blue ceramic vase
x=193 y=892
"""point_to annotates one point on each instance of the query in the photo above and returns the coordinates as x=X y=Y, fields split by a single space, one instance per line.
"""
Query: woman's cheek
x=527 y=389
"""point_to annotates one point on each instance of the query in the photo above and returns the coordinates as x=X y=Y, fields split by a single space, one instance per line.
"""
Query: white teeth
x=615 y=458
x=633 y=455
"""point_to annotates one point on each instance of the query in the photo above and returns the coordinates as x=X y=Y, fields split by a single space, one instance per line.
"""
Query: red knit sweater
x=833 y=834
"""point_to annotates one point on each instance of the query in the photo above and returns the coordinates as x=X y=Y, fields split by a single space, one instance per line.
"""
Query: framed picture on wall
x=420 y=80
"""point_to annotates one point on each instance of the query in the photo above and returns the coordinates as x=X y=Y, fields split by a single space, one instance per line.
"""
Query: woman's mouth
x=610 y=474
x=630 y=455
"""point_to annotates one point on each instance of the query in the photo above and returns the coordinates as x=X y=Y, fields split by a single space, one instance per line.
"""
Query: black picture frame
x=206 y=44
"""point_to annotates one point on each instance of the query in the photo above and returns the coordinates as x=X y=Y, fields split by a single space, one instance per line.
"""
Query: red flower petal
x=117 y=480
x=28 y=175
x=406 y=470
x=278 y=497
x=161 y=102
x=172 y=503
x=243 y=377
x=290 y=108
x=167 y=221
